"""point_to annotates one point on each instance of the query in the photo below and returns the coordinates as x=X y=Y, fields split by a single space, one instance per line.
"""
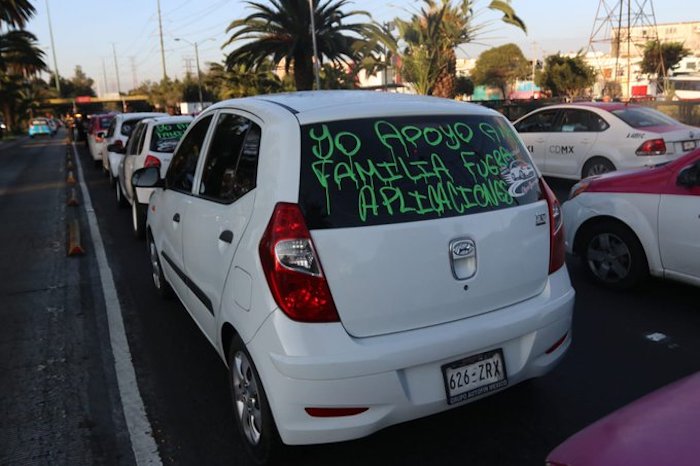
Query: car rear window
x=105 y=121
x=166 y=136
x=640 y=117
x=392 y=170
x=128 y=126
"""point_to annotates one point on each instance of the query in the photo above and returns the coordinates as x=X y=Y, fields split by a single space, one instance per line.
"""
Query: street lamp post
x=199 y=72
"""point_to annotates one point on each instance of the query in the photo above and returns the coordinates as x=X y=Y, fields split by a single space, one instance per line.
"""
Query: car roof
x=348 y=102
x=170 y=119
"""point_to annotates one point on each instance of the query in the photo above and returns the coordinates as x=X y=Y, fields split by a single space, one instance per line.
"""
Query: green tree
x=279 y=30
x=164 y=95
x=79 y=84
x=244 y=81
x=432 y=34
x=659 y=58
x=500 y=67
x=20 y=57
x=565 y=76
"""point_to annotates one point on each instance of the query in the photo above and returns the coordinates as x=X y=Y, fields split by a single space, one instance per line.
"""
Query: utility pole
x=134 y=78
x=53 y=50
x=162 y=49
x=317 y=63
x=104 y=76
x=116 y=69
x=199 y=72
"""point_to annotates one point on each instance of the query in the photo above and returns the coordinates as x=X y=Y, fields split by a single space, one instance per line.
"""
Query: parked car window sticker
x=166 y=136
x=364 y=172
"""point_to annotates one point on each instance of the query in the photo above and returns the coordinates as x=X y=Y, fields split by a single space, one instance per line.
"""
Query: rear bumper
x=398 y=376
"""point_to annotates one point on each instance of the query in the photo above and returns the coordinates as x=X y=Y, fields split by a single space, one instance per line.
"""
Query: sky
x=90 y=33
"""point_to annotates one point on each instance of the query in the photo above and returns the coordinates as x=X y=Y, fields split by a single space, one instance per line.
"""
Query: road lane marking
x=140 y=431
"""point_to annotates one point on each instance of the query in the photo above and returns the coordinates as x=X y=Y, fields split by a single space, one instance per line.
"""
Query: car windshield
x=640 y=117
x=166 y=136
x=392 y=170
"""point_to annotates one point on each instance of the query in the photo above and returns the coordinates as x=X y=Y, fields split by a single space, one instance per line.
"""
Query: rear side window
x=640 y=117
x=180 y=175
x=128 y=126
x=231 y=167
x=166 y=136
x=392 y=170
x=104 y=122
x=540 y=122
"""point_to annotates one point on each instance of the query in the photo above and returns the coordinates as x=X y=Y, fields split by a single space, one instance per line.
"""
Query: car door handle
x=176 y=218
x=226 y=236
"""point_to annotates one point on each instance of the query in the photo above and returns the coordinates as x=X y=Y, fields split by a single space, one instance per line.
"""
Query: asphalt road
x=57 y=395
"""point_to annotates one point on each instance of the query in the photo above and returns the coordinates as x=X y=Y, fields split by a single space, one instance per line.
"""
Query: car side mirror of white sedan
x=148 y=177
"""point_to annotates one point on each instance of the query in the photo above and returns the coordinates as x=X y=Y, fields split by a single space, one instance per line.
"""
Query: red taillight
x=652 y=147
x=334 y=412
x=557 y=344
x=557 y=247
x=99 y=139
x=292 y=268
x=151 y=161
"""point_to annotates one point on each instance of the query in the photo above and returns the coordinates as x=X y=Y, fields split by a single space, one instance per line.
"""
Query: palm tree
x=280 y=31
x=15 y=13
x=440 y=28
x=20 y=58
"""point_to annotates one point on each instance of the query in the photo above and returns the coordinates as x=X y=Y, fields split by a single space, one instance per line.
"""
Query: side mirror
x=689 y=177
x=101 y=134
x=148 y=177
x=116 y=148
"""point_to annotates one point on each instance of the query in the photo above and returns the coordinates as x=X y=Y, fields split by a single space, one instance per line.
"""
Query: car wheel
x=121 y=201
x=251 y=409
x=597 y=166
x=613 y=256
x=138 y=219
x=162 y=286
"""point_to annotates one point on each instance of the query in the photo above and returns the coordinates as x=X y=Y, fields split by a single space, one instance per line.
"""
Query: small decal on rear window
x=365 y=172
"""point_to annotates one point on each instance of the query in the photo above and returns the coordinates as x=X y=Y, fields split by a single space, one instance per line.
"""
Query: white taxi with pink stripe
x=590 y=138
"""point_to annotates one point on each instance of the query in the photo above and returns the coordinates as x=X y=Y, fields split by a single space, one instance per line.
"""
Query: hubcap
x=247 y=399
x=598 y=169
x=609 y=258
x=155 y=265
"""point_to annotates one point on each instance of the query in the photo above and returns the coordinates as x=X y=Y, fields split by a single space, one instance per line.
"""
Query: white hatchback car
x=118 y=133
x=360 y=259
x=590 y=138
x=627 y=225
x=151 y=144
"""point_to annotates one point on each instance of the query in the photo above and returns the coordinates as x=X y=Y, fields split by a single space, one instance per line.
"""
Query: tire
x=613 y=256
x=159 y=282
x=597 y=166
x=138 y=219
x=119 y=195
x=252 y=413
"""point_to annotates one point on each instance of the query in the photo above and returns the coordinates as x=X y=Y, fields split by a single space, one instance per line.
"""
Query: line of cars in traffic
x=360 y=259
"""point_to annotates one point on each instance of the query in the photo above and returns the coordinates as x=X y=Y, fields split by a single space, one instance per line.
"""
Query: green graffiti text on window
x=413 y=176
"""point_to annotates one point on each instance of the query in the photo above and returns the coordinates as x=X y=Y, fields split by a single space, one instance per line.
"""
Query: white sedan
x=590 y=138
x=628 y=225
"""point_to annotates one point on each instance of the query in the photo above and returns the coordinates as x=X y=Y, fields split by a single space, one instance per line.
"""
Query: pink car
x=661 y=428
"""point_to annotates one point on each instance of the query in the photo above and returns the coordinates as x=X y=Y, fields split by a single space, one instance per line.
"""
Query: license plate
x=688 y=145
x=474 y=376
